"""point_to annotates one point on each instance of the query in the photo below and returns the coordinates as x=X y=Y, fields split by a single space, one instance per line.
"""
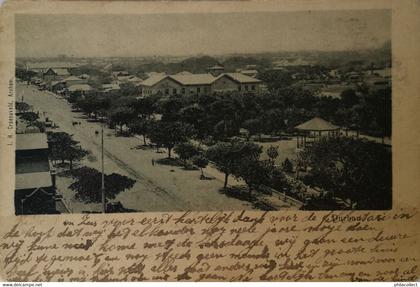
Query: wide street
x=158 y=187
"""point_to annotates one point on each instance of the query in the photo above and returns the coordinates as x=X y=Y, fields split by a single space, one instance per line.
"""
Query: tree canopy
x=354 y=169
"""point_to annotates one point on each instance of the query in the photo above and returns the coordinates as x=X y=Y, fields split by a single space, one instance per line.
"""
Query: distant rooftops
x=53 y=65
x=59 y=71
x=31 y=141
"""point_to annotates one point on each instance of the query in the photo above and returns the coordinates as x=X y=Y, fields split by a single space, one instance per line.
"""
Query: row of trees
x=222 y=116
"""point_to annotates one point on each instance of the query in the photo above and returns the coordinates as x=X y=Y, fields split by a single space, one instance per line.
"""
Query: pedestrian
x=153 y=161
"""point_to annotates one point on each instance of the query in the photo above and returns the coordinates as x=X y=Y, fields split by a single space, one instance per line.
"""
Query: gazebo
x=314 y=129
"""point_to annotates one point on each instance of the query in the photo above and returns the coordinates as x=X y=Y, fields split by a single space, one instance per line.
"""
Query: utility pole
x=103 y=174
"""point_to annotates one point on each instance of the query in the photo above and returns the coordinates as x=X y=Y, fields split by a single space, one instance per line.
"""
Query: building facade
x=34 y=183
x=236 y=82
x=199 y=84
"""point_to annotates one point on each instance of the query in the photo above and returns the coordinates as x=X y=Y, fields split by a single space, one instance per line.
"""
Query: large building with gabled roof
x=199 y=84
x=230 y=82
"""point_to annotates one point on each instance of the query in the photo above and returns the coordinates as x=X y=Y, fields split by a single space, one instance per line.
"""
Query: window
x=246 y=87
x=166 y=91
x=253 y=87
x=183 y=90
x=198 y=90
x=174 y=91
x=239 y=88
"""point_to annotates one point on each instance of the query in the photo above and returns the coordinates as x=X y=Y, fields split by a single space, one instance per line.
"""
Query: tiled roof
x=60 y=72
x=194 y=79
x=184 y=73
x=249 y=72
x=240 y=78
x=31 y=141
x=153 y=80
x=81 y=87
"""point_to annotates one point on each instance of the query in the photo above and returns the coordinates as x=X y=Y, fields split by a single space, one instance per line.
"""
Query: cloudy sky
x=191 y=34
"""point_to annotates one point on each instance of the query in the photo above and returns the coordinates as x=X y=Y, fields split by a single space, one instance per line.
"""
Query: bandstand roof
x=317 y=124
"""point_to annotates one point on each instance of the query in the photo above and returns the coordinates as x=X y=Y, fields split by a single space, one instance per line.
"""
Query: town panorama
x=213 y=126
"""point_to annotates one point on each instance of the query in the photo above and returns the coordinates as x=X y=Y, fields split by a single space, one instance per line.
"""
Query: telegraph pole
x=103 y=174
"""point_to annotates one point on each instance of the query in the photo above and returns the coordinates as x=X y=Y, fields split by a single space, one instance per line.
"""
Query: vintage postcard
x=209 y=141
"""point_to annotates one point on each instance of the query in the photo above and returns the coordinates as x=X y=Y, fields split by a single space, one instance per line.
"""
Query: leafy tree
x=278 y=180
x=22 y=107
x=29 y=116
x=74 y=153
x=24 y=74
x=276 y=79
x=122 y=116
x=228 y=156
x=357 y=170
x=93 y=104
x=201 y=162
x=186 y=151
x=128 y=89
x=272 y=153
x=254 y=126
x=252 y=171
x=169 y=108
x=287 y=166
x=273 y=121
x=195 y=115
x=169 y=134
x=349 y=98
x=145 y=107
x=140 y=126
x=63 y=148
x=88 y=184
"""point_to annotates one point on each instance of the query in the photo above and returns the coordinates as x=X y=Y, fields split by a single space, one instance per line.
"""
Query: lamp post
x=103 y=174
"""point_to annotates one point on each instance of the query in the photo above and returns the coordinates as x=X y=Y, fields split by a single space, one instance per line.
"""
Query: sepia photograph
x=264 y=111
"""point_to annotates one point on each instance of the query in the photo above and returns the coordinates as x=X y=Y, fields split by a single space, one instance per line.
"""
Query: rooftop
x=240 y=78
x=60 y=71
x=153 y=80
x=193 y=79
x=31 y=141
x=216 y=67
x=79 y=88
x=33 y=180
x=46 y=65
x=72 y=78
x=317 y=124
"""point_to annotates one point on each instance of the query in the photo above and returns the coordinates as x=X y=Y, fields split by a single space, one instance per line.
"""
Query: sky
x=204 y=33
